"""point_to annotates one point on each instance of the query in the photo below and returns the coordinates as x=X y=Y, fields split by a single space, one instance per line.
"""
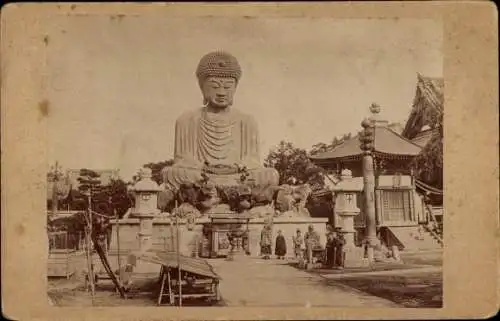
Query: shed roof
x=188 y=264
x=387 y=144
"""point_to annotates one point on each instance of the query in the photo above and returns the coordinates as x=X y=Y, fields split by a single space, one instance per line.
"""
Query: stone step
x=414 y=239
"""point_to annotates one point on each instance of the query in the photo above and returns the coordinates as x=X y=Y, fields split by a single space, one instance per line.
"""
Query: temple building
x=424 y=124
x=399 y=202
x=426 y=111
x=423 y=128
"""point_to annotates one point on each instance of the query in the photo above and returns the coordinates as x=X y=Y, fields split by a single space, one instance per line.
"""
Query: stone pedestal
x=346 y=209
x=145 y=234
x=146 y=198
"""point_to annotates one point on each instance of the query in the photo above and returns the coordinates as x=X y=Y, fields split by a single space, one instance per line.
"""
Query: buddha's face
x=219 y=91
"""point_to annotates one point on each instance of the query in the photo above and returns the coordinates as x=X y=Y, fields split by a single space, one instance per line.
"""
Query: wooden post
x=118 y=246
x=309 y=255
x=395 y=253
x=170 y=294
x=54 y=189
x=367 y=140
x=163 y=276
x=91 y=272
x=67 y=255
x=369 y=193
x=178 y=256
x=90 y=275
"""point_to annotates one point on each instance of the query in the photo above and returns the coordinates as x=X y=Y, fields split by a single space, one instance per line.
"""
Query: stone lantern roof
x=349 y=183
x=146 y=184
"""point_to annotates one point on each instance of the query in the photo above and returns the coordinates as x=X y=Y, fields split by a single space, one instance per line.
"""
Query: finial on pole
x=375 y=108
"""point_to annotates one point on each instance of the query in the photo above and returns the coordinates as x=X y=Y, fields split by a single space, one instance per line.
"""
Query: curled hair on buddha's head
x=218 y=64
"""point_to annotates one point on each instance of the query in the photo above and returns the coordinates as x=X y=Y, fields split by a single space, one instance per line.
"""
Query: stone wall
x=164 y=233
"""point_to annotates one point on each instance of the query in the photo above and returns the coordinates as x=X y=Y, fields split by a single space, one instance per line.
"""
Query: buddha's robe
x=219 y=139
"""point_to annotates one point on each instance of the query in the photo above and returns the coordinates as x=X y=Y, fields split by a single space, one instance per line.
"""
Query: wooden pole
x=89 y=245
x=367 y=140
x=90 y=276
x=178 y=255
x=369 y=193
x=54 y=189
x=118 y=246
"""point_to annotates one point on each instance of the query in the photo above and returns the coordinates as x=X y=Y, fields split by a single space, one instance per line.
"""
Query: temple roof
x=423 y=137
x=428 y=105
x=387 y=144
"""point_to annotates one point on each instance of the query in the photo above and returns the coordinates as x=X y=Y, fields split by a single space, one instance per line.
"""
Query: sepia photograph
x=244 y=161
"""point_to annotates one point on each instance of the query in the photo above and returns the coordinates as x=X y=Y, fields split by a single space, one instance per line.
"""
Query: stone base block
x=354 y=257
x=310 y=266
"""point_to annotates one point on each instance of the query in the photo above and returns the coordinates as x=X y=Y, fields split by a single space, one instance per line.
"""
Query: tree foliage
x=323 y=147
x=156 y=169
x=113 y=198
x=107 y=200
x=428 y=165
x=292 y=163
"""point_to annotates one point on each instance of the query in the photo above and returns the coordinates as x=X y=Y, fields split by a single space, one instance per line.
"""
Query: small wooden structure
x=198 y=279
x=61 y=255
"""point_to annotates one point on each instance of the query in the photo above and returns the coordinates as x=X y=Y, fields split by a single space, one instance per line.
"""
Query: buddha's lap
x=260 y=175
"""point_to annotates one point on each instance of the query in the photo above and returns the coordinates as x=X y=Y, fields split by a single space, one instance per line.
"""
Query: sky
x=116 y=86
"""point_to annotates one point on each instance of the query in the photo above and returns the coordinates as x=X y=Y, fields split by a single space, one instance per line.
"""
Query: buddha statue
x=217 y=142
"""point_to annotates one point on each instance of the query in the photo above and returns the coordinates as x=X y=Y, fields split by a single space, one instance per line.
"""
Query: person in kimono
x=331 y=242
x=280 y=248
x=339 y=250
x=266 y=242
x=298 y=244
x=312 y=241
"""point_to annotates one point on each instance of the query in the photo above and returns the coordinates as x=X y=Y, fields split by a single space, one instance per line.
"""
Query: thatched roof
x=427 y=105
x=387 y=144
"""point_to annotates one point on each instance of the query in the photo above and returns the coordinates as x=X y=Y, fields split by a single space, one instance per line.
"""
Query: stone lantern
x=146 y=197
x=345 y=210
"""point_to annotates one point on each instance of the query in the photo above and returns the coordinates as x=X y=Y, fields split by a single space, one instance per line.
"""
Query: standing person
x=339 y=250
x=266 y=242
x=280 y=249
x=298 y=244
x=331 y=243
x=312 y=241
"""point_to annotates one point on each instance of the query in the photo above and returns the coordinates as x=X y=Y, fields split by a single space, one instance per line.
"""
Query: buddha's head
x=218 y=75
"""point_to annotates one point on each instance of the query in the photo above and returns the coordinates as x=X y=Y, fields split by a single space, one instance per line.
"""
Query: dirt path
x=427 y=269
x=256 y=282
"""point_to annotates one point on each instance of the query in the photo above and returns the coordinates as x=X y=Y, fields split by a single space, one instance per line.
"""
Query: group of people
x=335 y=253
x=266 y=242
x=332 y=255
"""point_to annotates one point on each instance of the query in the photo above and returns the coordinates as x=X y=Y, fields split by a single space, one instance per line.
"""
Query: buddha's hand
x=221 y=169
x=189 y=163
x=249 y=163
